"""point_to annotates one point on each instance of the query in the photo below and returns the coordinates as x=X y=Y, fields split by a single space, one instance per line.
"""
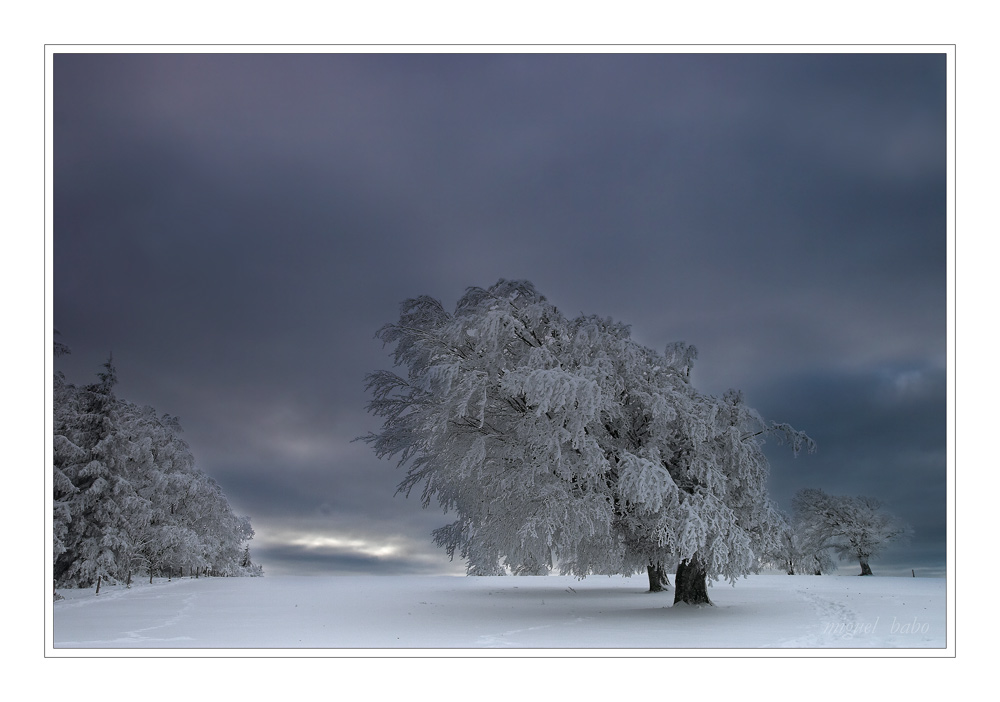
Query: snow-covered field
x=411 y=614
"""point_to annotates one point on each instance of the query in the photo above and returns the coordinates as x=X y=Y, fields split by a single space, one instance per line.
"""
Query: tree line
x=127 y=496
x=561 y=444
x=855 y=528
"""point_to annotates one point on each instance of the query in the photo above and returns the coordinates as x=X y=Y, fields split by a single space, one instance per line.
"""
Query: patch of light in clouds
x=322 y=541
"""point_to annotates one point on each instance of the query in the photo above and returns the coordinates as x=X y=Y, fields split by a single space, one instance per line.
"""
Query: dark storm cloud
x=235 y=228
x=881 y=433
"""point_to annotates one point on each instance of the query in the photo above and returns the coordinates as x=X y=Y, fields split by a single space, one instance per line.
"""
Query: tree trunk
x=128 y=580
x=865 y=568
x=98 y=585
x=690 y=584
x=658 y=581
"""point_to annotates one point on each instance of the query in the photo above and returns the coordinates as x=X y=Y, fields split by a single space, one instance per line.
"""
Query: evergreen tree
x=127 y=495
x=83 y=448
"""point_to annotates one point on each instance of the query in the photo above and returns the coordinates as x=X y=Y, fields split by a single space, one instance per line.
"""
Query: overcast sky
x=234 y=228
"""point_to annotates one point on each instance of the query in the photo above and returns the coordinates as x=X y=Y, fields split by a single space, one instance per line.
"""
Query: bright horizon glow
x=359 y=545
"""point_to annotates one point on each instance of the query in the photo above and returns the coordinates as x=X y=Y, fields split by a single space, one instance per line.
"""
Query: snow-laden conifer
x=127 y=495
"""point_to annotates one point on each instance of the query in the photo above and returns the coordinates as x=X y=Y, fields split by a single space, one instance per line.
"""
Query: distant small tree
x=797 y=550
x=855 y=527
x=248 y=566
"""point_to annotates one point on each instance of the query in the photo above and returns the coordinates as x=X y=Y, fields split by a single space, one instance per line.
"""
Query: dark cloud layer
x=235 y=228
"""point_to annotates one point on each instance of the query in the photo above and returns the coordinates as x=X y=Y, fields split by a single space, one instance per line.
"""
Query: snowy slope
x=414 y=612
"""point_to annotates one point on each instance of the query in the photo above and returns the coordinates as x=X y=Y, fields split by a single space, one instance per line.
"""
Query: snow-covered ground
x=414 y=613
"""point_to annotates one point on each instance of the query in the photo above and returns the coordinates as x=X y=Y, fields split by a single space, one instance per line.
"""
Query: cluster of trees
x=561 y=443
x=854 y=528
x=797 y=551
x=127 y=496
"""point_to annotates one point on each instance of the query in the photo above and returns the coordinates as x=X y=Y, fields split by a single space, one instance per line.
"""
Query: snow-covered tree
x=83 y=447
x=126 y=493
x=496 y=430
x=248 y=566
x=857 y=528
x=65 y=457
x=798 y=550
x=564 y=443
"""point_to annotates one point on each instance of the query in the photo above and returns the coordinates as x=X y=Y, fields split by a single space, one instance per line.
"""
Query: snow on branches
x=562 y=443
x=856 y=528
x=127 y=495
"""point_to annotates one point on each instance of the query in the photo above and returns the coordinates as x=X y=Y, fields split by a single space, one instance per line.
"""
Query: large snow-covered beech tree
x=497 y=431
x=127 y=495
x=562 y=443
x=857 y=528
